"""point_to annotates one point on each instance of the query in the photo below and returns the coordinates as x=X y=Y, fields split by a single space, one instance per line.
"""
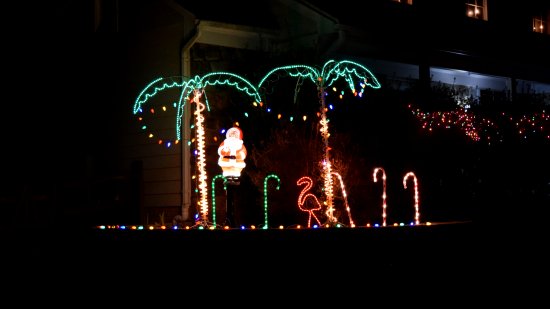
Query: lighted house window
x=410 y=2
x=476 y=9
x=539 y=25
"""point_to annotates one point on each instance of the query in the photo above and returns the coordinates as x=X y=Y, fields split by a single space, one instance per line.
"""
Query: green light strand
x=214 y=194
x=215 y=78
x=348 y=69
x=153 y=88
x=266 y=225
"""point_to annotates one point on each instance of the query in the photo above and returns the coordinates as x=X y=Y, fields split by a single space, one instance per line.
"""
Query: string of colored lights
x=165 y=83
x=145 y=118
x=252 y=227
x=535 y=124
x=416 y=198
x=347 y=69
x=266 y=223
x=215 y=78
x=304 y=195
x=384 y=205
x=528 y=126
x=160 y=140
x=154 y=87
x=162 y=84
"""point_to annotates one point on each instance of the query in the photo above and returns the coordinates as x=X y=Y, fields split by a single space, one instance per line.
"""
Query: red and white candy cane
x=384 y=206
x=416 y=203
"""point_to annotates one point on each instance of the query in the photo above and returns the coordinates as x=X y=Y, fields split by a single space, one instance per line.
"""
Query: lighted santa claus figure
x=232 y=153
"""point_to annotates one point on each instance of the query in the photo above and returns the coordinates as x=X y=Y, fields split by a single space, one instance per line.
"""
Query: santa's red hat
x=234 y=132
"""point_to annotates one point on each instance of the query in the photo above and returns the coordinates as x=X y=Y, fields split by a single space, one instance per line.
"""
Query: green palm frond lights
x=351 y=71
x=211 y=79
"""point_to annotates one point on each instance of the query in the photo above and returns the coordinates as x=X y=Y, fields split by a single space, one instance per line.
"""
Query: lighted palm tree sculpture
x=193 y=91
x=353 y=73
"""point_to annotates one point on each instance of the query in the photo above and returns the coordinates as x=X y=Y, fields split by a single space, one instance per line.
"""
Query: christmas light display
x=304 y=195
x=193 y=90
x=416 y=201
x=155 y=87
x=169 y=85
x=185 y=89
x=384 y=206
x=216 y=78
x=528 y=126
x=266 y=224
x=353 y=73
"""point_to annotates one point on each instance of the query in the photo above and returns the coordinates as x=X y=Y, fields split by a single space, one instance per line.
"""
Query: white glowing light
x=416 y=197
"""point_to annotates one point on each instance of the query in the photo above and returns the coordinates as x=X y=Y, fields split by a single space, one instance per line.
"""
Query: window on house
x=410 y=2
x=476 y=9
x=539 y=25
